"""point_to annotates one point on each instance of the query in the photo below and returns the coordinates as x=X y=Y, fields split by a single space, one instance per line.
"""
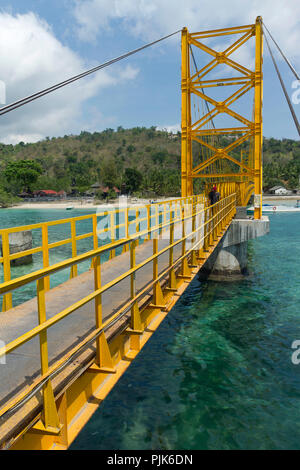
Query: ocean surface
x=218 y=373
x=17 y=217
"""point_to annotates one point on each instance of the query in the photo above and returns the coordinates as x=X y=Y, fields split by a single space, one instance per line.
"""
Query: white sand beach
x=90 y=204
x=275 y=197
x=86 y=204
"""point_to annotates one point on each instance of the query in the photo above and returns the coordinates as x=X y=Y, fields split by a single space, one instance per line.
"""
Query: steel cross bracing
x=249 y=176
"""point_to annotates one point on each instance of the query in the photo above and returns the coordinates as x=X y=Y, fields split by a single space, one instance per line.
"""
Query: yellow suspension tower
x=247 y=179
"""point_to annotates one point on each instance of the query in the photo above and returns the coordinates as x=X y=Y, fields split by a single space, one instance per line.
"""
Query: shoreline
x=86 y=205
x=281 y=198
x=133 y=202
x=52 y=205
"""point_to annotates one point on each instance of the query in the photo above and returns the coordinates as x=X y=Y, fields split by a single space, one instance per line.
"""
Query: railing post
x=7 y=298
x=194 y=252
x=50 y=419
x=148 y=222
x=210 y=224
x=136 y=323
x=165 y=216
x=228 y=210
x=45 y=253
x=158 y=299
x=74 y=247
x=137 y=224
x=204 y=246
x=172 y=275
x=95 y=236
x=233 y=198
x=219 y=219
x=201 y=234
x=126 y=222
x=211 y=227
x=159 y=214
x=103 y=356
x=185 y=270
x=112 y=253
x=208 y=213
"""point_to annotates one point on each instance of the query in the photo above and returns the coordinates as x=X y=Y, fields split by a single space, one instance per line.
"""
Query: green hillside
x=139 y=160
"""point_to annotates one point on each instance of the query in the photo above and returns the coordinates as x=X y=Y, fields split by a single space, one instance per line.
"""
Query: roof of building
x=276 y=187
x=47 y=191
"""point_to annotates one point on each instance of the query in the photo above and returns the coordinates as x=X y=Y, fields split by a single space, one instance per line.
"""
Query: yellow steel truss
x=249 y=176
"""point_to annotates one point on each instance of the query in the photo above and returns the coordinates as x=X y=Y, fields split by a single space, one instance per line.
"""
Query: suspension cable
x=283 y=55
x=283 y=88
x=28 y=99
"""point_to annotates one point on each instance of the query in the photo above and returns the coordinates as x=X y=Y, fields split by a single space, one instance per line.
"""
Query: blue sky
x=50 y=41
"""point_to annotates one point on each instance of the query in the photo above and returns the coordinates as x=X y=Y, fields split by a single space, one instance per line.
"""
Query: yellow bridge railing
x=187 y=223
x=118 y=223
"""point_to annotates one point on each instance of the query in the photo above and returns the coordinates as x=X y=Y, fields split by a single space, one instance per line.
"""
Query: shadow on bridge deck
x=73 y=329
x=169 y=263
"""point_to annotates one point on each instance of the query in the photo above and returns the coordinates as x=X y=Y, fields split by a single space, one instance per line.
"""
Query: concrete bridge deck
x=23 y=365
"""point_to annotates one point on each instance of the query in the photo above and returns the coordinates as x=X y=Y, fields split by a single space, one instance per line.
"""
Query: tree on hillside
x=109 y=175
x=159 y=157
x=6 y=200
x=133 y=179
x=130 y=148
x=23 y=174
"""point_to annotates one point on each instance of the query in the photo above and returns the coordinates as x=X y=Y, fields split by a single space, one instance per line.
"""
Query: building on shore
x=45 y=193
x=280 y=191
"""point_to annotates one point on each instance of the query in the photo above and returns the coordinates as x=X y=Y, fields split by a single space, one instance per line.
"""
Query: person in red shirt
x=214 y=196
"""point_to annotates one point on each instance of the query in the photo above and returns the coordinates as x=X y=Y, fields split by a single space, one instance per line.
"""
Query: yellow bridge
x=76 y=340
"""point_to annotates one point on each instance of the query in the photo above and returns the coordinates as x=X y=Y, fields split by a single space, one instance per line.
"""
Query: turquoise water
x=217 y=374
x=17 y=217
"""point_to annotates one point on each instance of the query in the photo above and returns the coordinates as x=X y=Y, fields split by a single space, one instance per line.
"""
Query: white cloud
x=33 y=59
x=149 y=19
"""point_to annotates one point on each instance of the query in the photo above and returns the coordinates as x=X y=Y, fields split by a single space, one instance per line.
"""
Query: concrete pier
x=229 y=260
x=20 y=241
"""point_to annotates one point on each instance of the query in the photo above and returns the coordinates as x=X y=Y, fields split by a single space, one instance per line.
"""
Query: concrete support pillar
x=228 y=262
x=20 y=241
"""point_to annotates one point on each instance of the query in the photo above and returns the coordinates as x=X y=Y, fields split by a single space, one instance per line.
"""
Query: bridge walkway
x=52 y=382
x=25 y=361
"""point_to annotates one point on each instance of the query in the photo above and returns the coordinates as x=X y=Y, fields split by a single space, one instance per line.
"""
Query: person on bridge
x=214 y=196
